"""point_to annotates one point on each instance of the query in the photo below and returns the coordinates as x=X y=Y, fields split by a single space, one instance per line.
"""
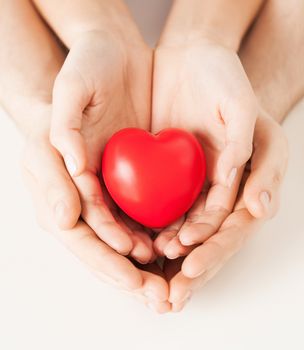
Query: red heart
x=154 y=179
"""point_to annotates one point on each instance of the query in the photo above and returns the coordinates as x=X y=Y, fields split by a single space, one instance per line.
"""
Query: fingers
x=98 y=215
x=70 y=98
x=45 y=165
x=181 y=287
x=165 y=236
x=203 y=263
x=181 y=290
x=82 y=241
x=142 y=247
x=209 y=212
x=149 y=286
x=205 y=218
x=240 y=119
x=142 y=251
x=214 y=252
x=268 y=166
x=154 y=292
x=155 y=289
x=174 y=249
x=99 y=257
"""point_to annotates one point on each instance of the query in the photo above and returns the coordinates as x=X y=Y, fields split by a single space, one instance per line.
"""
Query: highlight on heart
x=155 y=179
x=152 y=159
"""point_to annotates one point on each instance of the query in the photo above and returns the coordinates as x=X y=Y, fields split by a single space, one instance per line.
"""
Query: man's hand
x=268 y=165
x=30 y=60
x=47 y=179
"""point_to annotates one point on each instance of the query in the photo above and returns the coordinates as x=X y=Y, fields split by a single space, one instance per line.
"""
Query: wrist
x=223 y=22
x=31 y=116
x=110 y=17
x=198 y=37
x=110 y=37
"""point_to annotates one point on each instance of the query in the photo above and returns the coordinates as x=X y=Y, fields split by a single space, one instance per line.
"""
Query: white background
x=49 y=301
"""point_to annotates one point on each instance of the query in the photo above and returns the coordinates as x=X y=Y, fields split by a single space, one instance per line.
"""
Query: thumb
x=44 y=165
x=268 y=166
x=240 y=123
x=70 y=98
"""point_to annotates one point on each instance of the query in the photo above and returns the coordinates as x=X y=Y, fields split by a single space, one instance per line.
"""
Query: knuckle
x=217 y=245
x=94 y=199
x=243 y=150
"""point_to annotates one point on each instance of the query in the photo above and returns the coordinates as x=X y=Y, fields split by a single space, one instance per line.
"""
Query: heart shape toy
x=154 y=179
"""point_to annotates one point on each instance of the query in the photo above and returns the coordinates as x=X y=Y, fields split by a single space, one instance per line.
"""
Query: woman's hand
x=47 y=179
x=203 y=88
x=265 y=174
x=103 y=86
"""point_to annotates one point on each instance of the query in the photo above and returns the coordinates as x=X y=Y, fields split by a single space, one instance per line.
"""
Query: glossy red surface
x=154 y=179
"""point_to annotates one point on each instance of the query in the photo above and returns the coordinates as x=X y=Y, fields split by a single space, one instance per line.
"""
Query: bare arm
x=30 y=58
x=273 y=56
x=71 y=18
x=222 y=21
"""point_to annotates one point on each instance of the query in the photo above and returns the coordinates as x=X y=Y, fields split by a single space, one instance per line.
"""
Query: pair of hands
x=105 y=85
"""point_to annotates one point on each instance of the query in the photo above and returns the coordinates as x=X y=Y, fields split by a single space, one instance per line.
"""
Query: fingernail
x=70 y=164
x=265 y=200
x=185 y=240
x=172 y=256
x=231 y=177
x=150 y=295
x=60 y=210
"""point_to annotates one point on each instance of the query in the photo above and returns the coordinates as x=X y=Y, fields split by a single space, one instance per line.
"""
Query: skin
x=200 y=85
x=272 y=76
x=204 y=40
x=206 y=259
x=27 y=74
x=96 y=94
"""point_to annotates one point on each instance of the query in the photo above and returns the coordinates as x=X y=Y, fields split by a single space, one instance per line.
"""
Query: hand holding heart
x=95 y=95
x=154 y=179
x=203 y=88
x=150 y=285
x=104 y=86
x=101 y=92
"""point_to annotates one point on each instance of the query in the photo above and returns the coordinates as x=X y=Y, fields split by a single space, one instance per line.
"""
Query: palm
x=196 y=93
x=113 y=92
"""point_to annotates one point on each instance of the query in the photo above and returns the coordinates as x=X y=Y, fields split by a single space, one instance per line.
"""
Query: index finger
x=222 y=245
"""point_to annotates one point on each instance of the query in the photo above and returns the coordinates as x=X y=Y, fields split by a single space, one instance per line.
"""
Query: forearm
x=30 y=59
x=222 y=21
x=71 y=18
x=273 y=56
